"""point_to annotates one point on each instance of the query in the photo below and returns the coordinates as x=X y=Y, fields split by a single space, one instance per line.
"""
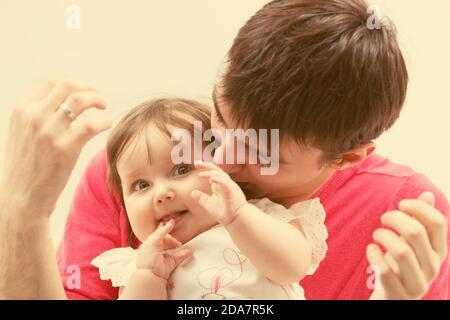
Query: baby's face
x=155 y=190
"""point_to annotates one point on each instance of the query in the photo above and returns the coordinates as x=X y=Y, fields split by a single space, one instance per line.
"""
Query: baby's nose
x=164 y=197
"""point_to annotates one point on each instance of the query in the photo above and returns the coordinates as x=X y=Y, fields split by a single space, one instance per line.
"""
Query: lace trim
x=116 y=265
x=312 y=218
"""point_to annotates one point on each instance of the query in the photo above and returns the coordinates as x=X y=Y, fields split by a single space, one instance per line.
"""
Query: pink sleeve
x=412 y=189
x=95 y=224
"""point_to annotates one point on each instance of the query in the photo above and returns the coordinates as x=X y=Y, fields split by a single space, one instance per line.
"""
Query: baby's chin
x=184 y=233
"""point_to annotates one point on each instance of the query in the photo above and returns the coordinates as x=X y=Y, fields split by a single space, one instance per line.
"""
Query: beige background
x=131 y=50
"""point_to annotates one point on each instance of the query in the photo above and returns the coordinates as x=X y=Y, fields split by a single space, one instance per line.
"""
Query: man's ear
x=355 y=156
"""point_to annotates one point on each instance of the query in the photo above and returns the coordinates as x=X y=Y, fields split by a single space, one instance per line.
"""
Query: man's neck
x=307 y=191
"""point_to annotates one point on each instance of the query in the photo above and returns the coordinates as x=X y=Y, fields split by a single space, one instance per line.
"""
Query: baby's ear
x=354 y=157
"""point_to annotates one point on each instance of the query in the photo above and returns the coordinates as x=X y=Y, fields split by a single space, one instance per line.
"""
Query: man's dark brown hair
x=314 y=70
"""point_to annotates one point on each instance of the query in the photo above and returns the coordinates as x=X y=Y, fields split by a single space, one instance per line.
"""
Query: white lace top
x=218 y=270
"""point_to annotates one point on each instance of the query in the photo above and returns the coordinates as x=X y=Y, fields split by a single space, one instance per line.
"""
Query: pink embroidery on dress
x=214 y=279
x=217 y=283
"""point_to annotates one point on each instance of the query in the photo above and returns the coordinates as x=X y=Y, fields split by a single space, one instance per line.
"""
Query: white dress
x=218 y=270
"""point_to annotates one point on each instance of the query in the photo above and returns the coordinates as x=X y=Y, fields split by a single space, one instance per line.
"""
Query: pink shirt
x=354 y=200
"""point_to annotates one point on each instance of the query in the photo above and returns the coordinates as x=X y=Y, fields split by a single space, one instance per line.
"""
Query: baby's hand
x=158 y=252
x=226 y=198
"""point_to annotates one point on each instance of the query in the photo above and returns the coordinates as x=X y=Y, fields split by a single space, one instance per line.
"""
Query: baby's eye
x=182 y=169
x=139 y=185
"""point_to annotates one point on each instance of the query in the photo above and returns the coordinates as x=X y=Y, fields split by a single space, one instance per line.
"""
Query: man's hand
x=43 y=147
x=415 y=249
x=226 y=198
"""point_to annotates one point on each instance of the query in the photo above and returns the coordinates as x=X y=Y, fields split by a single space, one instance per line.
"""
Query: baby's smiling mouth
x=175 y=216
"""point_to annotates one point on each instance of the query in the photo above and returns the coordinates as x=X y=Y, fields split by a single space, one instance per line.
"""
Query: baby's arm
x=154 y=265
x=279 y=250
x=144 y=285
